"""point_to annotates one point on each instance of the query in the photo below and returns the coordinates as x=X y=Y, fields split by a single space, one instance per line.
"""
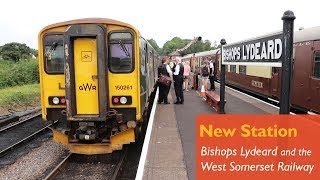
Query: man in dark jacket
x=178 y=81
x=164 y=69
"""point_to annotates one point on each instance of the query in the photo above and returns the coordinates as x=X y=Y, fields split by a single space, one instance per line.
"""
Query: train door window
x=316 y=66
x=233 y=68
x=53 y=53
x=242 y=69
x=218 y=65
x=121 y=52
x=142 y=58
x=150 y=62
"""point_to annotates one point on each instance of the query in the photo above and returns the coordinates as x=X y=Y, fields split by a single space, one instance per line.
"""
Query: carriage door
x=275 y=87
x=315 y=78
x=85 y=72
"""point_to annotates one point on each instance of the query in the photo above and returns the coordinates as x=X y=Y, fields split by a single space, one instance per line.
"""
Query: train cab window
x=120 y=52
x=316 y=66
x=242 y=69
x=54 y=53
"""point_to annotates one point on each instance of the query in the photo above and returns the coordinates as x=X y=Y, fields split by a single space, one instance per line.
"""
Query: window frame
x=233 y=67
x=241 y=72
x=110 y=42
x=44 y=52
x=314 y=64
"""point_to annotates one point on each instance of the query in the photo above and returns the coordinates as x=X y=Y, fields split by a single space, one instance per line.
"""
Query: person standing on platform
x=178 y=81
x=186 y=74
x=212 y=75
x=164 y=69
x=204 y=73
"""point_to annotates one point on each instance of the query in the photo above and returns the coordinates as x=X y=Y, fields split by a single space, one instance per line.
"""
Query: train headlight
x=63 y=100
x=55 y=100
x=116 y=100
x=123 y=100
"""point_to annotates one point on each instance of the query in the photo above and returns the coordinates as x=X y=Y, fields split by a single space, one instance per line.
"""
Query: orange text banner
x=258 y=147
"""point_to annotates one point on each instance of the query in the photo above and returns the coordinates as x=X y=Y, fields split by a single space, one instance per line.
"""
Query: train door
x=147 y=69
x=150 y=68
x=315 y=78
x=85 y=72
x=275 y=79
x=300 y=88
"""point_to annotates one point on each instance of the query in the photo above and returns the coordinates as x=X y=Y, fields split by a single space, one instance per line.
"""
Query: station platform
x=171 y=150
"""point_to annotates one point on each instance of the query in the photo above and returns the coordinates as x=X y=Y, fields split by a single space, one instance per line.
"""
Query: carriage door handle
x=94 y=77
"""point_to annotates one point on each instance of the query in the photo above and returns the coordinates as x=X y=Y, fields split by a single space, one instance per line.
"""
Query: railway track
x=105 y=166
x=14 y=135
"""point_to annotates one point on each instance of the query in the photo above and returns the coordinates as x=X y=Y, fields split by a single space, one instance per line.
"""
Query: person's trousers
x=179 y=91
x=212 y=86
x=163 y=93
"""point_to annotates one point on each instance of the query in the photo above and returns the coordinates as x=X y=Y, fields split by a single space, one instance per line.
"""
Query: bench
x=214 y=100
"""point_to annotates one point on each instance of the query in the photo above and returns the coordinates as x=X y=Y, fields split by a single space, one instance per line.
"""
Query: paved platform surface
x=165 y=154
x=171 y=153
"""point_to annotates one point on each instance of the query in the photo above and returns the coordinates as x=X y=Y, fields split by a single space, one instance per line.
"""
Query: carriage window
x=233 y=68
x=54 y=54
x=120 y=52
x=275 y=70
x=316 y=67
x=242 y=69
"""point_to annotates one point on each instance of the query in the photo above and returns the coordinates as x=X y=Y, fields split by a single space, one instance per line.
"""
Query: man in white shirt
x=178 y=81
x=212 y=75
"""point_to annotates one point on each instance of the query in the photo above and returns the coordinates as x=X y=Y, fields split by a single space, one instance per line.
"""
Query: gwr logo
x=87 y=87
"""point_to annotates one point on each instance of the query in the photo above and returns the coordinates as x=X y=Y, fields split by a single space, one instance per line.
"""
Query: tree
x=178 y=43
x=155 y=45
x=34 y=52
x=172 y=45
x=15 y=51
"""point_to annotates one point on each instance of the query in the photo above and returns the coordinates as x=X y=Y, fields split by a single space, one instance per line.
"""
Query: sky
x=234 y=20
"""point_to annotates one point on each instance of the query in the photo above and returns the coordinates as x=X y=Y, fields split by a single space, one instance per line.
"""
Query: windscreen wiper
x=124 y=49
x=50 y=51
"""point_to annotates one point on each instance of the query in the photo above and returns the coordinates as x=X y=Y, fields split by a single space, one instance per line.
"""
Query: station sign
x=265 y=50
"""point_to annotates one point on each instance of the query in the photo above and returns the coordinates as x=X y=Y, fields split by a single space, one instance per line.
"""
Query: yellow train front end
x=89 y=80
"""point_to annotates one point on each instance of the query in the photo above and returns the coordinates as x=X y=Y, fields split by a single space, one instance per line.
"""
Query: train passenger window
x=316 y=66
x=53 y=53
x=242 y=69
x=120 y=52
x=233 y=68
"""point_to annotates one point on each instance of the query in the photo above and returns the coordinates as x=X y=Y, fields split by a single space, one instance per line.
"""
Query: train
x=266 y=81
x=98 y=81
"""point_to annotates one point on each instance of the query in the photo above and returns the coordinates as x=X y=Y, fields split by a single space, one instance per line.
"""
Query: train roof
x=90 y=21
x=199 y=54
x=308 y=34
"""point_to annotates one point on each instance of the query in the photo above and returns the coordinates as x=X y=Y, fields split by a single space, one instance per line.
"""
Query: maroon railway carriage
x=266 y=81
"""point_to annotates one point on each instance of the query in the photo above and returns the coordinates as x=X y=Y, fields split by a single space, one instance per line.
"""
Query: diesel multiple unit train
x=266 y=81
x=97 y=77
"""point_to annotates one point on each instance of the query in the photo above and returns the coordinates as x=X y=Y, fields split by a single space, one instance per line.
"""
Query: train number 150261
x=123 y=87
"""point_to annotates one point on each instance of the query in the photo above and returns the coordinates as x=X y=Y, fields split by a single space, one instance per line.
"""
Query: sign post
x=273 y=50
x=222 y=79
x=286 y=76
